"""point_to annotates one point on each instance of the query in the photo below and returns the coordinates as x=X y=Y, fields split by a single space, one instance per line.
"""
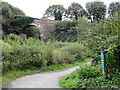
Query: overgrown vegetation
x=14 y=20
x=102 y=36
x=22 y=54
x=63 y=31
x=71 y=41
x=90 y=77
x=17 y=25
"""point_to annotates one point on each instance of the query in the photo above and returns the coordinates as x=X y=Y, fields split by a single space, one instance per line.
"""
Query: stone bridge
x=45 y=26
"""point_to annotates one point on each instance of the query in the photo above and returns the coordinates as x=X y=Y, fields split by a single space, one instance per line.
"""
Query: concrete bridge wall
x=45 y=26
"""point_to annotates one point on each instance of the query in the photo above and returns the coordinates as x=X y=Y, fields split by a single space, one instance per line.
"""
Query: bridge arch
x=31 y=31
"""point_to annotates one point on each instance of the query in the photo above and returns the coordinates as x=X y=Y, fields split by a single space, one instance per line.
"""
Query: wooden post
x=103 y=71
x=102 y=62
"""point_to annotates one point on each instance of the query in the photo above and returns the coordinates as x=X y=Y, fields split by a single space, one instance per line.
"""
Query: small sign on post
x=102 y=62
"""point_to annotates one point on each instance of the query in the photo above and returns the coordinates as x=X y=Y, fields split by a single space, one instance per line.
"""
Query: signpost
x=102 y=62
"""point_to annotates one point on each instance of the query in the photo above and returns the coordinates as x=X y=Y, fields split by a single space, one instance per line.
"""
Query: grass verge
x=8 y=76
x=90 y=77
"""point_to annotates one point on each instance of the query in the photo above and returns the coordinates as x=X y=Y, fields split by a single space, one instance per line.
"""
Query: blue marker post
x=102 y=62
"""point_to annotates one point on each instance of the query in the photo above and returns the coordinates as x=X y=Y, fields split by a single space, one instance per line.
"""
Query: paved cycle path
x=48 y=79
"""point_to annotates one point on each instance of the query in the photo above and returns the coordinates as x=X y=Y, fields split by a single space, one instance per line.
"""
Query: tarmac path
x=48 y=79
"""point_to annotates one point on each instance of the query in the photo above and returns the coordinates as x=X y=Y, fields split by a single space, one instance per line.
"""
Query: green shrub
x=91 y=77
x=57 y=44
x=23 y=36
x=26 y=56
x=32 y=31
x=32 y=53
x=64 y=25
x=4 y=46
x=13 y=38
x=112 y=58
x=60 y=57
x=77 y=50
x=64 y=31
x=98 y=36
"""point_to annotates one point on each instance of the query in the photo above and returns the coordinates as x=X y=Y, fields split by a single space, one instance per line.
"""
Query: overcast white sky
x=36 y=8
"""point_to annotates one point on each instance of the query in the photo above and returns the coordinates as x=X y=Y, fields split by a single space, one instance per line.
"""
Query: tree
x=102 y=36
x=13 y=19
x=9 y=11
x=32 y=31
x=8 y=14
x=96 y=9
x=63 y=31
x=17 y=24
x=55 y=11
x=113 y=7
x=75 y=11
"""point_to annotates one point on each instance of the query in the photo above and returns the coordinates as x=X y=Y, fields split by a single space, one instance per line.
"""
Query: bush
x=16 y=24
x=77 y=50
x=26 y=56
x=99 y=36
x=4 y=46
x=64 y=31
x=90 y=77
x=32 y=53
x=64 y=25
x=32 y=31
x=70 y=52
x=112 y=58
x=58 y=44
x=60 y=57
x=13 y=38
x=23 y=36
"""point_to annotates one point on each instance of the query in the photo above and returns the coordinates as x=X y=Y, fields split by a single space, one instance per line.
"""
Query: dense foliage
x=55 y=11
x=99 y=36
x=97 y=10
x=17 y=24
x=90 y=77
x=14 y=20
x=64 y=31
x=75 y=11
x=32 y=31
x=9 y=11
x=113 y=8
x=8 y=14
x=19 y=53
x=70 y=41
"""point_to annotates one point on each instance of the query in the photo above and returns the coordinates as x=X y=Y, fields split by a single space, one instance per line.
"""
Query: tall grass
x=31 y=53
